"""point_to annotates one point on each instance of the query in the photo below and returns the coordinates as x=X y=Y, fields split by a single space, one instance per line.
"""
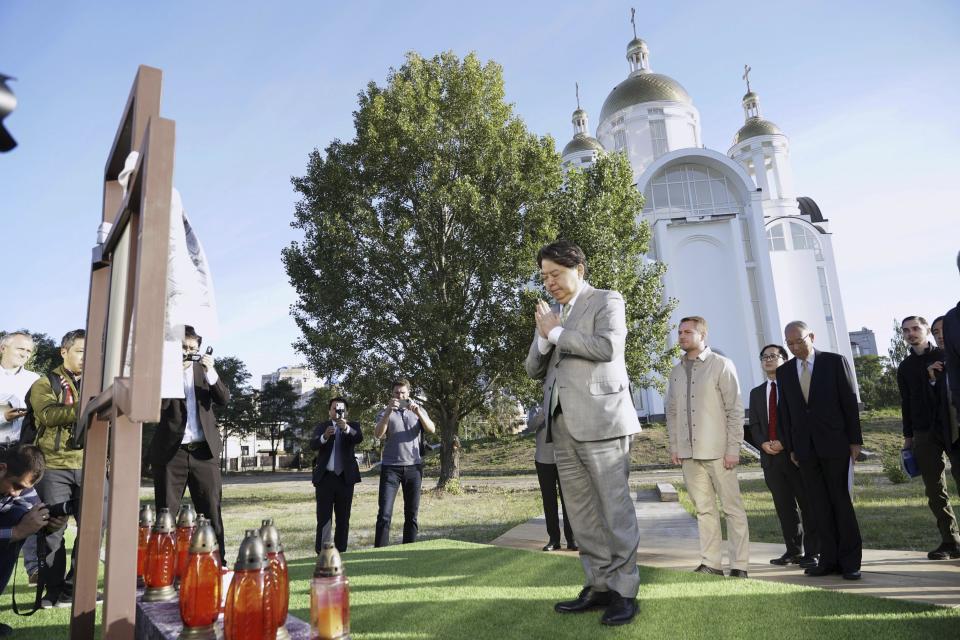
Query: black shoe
x=620 y=610
x=738 y=573
x=708 y=570
x=552 y=546
x=820 y=571
x=851 y=575
x=5 y=630
x=806 y=562
x=947 y=550
x=785 y=559
x=65 y=601
x=572 y=546
x=588 y=599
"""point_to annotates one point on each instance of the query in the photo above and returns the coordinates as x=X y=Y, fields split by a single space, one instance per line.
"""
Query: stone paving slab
x=669 y=540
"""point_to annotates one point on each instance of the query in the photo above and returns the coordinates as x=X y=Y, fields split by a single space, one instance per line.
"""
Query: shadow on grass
x=445 y=589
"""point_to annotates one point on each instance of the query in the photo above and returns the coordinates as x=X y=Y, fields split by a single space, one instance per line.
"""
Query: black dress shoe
x=572 y=546
x=620 y=610
x=588 y=599
x=708 y=570
x=947 y=550
x=785 y=559
x=806 y=562
x=851 y=575
x=551 y=546
x=738 y=573
x=820 y=571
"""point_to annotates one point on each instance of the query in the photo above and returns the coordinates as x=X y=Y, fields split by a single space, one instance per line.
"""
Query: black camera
x=68 y=508
x=195 y=357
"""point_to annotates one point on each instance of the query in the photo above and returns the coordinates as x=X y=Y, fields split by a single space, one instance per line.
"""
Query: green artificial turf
x=445 y=589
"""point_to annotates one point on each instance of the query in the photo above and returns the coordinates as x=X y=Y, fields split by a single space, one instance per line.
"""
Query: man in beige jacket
x=705 y=423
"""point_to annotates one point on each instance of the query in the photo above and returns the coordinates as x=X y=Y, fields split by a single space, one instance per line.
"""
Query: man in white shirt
x=15 y=381
x=185 y=450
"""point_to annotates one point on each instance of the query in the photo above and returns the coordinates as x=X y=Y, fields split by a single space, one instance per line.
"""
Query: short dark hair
x=400 y=382
x=700 y=321
x=190 y=332
x=22 y=459
x=72 y=336
x=920 y=319
x=338 y=399
x=937 y=319
x=564 y=253
x=779 y=348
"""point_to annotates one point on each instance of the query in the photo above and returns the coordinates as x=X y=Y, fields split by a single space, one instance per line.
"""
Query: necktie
x=772 y=413
x=554 y=392
x=337 y=461
x=564 y=312
x=805 y=380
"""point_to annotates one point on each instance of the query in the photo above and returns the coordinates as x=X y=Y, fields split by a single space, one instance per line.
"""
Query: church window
x=772 y=187
x=803 y=239
x=756 y=304
x=656 y=111
x=827 y=308
x=691 y=189
x=658 y=134
x=747 y=245
x=619 y=140
x=776 y=239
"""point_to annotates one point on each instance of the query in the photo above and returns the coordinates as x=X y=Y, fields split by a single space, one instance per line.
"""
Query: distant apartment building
x=863 y=343
x=303 y=380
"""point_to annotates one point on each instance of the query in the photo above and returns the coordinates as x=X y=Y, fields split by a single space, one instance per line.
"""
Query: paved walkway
x=668 y=540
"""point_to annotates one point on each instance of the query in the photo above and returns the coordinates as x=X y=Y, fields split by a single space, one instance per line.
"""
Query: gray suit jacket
x=588 y=365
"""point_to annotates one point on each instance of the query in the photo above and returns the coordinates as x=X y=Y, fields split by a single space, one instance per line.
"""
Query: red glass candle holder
x=249 y=611
x=158 y=573
x=200 y=587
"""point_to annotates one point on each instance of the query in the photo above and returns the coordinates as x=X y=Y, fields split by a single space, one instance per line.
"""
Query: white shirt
x=545 y=344
x=809 y=364
x=14 y=386
x=194 y=430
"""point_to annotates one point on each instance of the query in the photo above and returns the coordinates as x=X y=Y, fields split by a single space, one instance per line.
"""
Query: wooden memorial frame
x=124 y=347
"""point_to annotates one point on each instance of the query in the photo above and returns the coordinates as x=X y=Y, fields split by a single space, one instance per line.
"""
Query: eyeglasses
x=801 y=340
x=771 y=356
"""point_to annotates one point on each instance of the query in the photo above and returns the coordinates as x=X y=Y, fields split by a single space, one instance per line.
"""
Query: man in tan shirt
x=705 y=424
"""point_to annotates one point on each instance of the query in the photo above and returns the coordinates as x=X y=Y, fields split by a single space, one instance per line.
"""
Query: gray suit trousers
x=595 y=480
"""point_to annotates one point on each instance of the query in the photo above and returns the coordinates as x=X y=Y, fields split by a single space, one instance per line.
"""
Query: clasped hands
x=546 y=319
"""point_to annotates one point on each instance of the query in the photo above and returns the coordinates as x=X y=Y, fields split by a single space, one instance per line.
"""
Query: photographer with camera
x=185 y=450
x=21 y=513
x=335 y=472
x=402 y=423
x=55 y=417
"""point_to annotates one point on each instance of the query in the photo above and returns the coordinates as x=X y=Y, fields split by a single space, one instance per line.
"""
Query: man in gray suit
x=577 y=351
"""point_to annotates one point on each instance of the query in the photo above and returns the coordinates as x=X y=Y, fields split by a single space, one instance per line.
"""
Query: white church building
x=741 y=249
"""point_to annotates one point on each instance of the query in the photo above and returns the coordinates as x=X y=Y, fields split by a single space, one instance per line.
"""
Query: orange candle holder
x=158 y=573
x=277 y=566
x=147 y=518
x=186 y=524
x=329 y=598
x=249 y=611
x=200 y=588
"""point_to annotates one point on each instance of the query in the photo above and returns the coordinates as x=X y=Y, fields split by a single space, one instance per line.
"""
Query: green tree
x=877 y=381
x=599 y=209
x=278 y=411
x=898 y=349
x=240 y=417
x=311 y=413
x=419 y=241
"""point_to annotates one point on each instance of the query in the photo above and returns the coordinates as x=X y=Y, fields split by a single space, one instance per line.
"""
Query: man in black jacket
x=185 y=450
x=335 y=473
x=779 y=472
x=951 y=347
x=820 y=429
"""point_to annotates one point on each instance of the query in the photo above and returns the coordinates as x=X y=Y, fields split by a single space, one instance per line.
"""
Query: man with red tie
x=780 y=473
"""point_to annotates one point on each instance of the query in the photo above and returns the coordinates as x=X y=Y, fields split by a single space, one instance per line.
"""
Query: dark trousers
x=334 y=498
x=409 y=477
x=929 y=450
x=199 y=471
x=793 y=510
x=825 y=483
x=9 y=550
x=56 y=486
x=549 y=490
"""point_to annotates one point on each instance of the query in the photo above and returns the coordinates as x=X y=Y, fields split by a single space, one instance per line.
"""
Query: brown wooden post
x=119 y=406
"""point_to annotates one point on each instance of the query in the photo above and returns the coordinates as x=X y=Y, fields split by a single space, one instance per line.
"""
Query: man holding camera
x=185 y=450
x=21 y=512
x=402 y=423
x=335 y=472
x=55 y=416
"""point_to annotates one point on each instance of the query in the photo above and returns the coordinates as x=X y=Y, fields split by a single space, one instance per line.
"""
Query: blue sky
x=867 y=94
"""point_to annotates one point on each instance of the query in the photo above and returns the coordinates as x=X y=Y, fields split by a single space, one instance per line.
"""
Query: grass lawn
x=891 y=516
x=443 y=589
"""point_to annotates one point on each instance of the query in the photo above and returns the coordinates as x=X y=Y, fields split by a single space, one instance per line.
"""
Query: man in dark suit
x=335 y=473
x=951 y=348
x=819 y=424
x=780 y=473
x=185 y=450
